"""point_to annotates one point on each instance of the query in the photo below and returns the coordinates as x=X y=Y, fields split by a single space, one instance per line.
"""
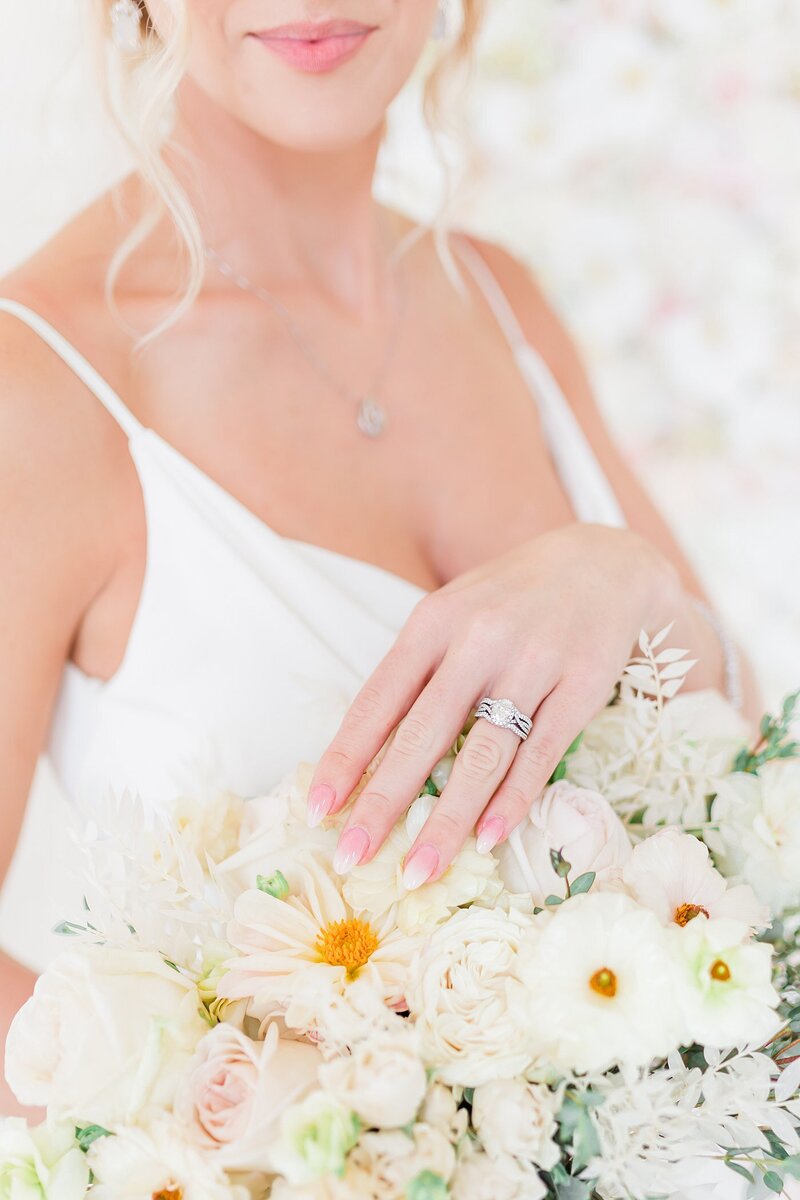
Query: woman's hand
x=551 y=626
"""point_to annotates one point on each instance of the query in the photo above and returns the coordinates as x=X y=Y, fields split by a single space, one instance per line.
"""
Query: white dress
x=248 y=646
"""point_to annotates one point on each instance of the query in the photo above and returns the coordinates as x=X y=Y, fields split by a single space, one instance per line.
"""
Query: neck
x=280 y=214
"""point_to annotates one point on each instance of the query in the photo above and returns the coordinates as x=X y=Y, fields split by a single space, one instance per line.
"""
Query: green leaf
x=791 y=1166
x=559 y=773
x=559 y=864
x=554 y=900
x=68 y=929
x=430 y=788
x=89 y=1134
x=582 y=883
x=773 y=1181
x=739 y=1169
x=777 y=1147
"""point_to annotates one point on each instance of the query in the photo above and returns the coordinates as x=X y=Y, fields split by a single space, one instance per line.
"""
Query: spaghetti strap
x=495 y=296
x=77 y=363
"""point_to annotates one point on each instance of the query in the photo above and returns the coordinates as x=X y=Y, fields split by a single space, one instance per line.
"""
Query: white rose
x=45 y=1163
x=579 y=823
x=759 y=831
x=105 y=1036
x=137 y=1164
x=383 y=1081
x=672 y=874
x=601 y=980
x=467 y=999
x=235 y=1091
x=479 y=1177
x=726 y=991
x=518 y=1118
x=442 y=1112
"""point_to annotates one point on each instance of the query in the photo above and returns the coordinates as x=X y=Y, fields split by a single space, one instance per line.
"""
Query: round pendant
x=371 y=418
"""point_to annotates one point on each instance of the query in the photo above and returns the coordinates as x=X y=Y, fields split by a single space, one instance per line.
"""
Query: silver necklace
x=371 y=417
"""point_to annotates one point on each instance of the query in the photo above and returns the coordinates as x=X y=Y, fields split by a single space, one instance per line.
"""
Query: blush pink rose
x=236 y=1090
x=578 y=822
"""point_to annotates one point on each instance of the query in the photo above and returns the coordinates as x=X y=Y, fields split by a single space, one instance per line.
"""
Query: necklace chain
x=370 y=416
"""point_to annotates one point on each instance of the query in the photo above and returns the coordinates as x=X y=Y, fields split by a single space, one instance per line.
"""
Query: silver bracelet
x=730 y=653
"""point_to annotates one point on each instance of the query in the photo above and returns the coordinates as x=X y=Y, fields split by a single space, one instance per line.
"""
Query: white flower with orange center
x=600 y=979
x=725 y=991
x=672 y=874
x=298 y=951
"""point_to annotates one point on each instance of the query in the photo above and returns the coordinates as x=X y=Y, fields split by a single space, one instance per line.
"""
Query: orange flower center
x=720 y=971
x=604 y=982
x=170 y=1192
x=348 y=944
x=685 y=913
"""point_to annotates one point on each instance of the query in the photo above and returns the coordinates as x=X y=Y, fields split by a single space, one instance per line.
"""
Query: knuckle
x=446 y=828
x=488 y=630
x=540 y=759
x=414 y=736
x=426 y=616
x=377 y=804
x=516 y=800
x=480 y=758
x=367 y=703
x=337 y=761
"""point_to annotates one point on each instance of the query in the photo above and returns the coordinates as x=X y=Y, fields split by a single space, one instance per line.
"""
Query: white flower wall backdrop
x=644 y=157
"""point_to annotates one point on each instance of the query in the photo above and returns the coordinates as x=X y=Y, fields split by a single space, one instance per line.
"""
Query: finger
x=561 y=716
x=385 y=697
x=428 y=730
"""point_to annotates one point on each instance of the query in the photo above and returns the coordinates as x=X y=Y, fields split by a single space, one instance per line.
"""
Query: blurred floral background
x=644 y=157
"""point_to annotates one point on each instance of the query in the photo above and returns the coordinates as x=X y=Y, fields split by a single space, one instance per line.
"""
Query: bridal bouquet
x=607 y=1007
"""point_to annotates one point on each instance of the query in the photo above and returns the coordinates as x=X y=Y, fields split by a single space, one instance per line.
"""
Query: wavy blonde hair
x=141 y=90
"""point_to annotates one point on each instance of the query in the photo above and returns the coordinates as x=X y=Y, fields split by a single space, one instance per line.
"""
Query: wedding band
x=505 y=714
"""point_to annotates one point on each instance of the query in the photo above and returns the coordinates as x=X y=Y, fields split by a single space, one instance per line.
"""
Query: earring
x=126 y=26
x=441 y=26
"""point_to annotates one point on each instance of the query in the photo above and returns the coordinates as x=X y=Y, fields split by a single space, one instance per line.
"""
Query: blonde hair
x=141 y=90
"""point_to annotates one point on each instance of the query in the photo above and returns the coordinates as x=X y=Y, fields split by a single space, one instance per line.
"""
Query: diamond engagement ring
x=505 y=714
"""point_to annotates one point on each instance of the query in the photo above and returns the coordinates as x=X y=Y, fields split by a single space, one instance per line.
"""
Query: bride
x=280 y=470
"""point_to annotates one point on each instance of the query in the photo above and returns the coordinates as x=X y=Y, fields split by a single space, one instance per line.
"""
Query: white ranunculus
x=137 y=1164
x=467 y=1000
x=374 y=888
x=578 y=822
x=479 y=1177
x=725 y=991
x=672 y=874
x=441 y=1110
x=105 y=1037
x=235 y=1091
x=601 y=980
x=45 y=1163
x=758 y=840
x=518 y=1118
x=210 y=827
x=383 y=1081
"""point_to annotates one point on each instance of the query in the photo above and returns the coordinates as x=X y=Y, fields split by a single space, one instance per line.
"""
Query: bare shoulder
x=58 y=449
x=543 y=327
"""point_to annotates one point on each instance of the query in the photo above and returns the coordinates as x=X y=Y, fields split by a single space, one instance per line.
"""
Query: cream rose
x=467 y=999
x=383 y=1081
x=105 y=1037
x=384 y=1166
x=518 y=1118
x=578 y=822
x=236 y=1090
x=759 y=831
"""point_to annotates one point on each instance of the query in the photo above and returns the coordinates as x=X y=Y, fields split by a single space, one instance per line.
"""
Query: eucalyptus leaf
x=582 y=883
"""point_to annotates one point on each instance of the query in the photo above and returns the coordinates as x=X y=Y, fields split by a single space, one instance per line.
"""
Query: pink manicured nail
x=490 y=834
x=351 y=849
x=320 y=802
x=419 y=867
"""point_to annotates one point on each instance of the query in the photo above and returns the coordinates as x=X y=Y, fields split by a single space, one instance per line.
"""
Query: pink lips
x=316 y=46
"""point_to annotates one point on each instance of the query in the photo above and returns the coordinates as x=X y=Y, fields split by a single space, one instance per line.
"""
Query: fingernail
x=320 y=803
x=419 y=867
x=351 y=849
x=490 y=834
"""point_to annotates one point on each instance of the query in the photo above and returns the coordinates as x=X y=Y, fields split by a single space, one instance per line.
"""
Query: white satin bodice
x=247 y=646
